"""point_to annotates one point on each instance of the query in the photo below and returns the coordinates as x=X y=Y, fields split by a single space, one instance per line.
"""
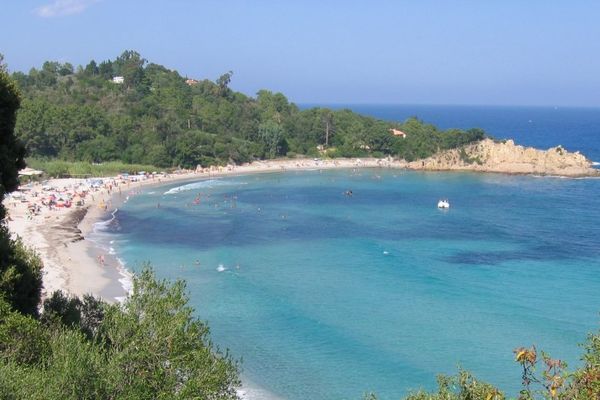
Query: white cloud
x=63 y=7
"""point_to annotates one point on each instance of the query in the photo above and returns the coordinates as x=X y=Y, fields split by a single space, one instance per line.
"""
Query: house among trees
x=118 y=79
x=398 y=132
x=191 y=82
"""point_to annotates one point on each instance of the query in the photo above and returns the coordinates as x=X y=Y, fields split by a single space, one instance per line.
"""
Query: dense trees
x=151 y=347
x=154 y=117
x=20 y=274
x=11 y=149
x=20 y=269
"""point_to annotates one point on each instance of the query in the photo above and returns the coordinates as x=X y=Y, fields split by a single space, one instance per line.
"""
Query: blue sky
x=505 y=52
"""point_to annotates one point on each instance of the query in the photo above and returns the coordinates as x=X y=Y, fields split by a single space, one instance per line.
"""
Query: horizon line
x=344 y=104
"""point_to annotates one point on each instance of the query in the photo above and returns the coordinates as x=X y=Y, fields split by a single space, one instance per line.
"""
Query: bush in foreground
x=545 y=379
x=150 y=347
x=20 y=274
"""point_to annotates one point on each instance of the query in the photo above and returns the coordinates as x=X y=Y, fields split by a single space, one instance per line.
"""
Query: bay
x=329 y=296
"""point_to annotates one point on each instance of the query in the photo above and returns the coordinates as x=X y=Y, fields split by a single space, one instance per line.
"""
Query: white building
x=118 y=79
x=398 y=132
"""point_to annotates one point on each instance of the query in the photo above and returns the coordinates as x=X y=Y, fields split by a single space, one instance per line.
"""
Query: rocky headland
x=506 y=157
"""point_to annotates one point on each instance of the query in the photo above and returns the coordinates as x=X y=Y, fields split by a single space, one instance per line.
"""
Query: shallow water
x=327 y=296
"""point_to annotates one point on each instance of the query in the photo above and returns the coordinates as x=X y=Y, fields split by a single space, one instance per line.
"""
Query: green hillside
x=155 y=117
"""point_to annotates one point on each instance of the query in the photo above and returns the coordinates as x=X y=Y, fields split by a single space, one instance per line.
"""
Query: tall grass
x=80 y=169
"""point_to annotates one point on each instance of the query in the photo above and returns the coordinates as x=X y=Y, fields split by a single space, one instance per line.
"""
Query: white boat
x=443 y=204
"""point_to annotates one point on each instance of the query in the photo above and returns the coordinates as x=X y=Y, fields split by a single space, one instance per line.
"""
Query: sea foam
x=103 y=226
x=208 y=184
x=126 y=280
x=448 y=278
x=101 y=231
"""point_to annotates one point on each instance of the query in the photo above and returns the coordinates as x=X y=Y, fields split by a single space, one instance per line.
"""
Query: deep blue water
x=326 y=296
x=543 y=127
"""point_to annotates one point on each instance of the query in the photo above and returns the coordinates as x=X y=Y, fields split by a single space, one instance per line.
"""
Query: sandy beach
x=60 y=235
x=78 y=266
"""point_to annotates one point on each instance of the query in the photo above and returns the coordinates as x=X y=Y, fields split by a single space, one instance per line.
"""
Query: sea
x=323 y=295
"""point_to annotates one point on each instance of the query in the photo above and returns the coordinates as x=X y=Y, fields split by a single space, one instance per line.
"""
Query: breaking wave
x=208 y=184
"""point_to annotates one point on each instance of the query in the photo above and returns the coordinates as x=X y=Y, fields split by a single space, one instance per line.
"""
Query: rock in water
x=506 y=157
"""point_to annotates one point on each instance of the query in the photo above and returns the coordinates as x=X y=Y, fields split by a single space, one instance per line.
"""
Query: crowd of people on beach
x=59 y=195
x=63 y=194
x=47 y=203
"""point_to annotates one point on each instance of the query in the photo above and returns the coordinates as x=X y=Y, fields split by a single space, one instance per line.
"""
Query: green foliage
x=554 y=382
x=155 y=118
x=272 y=136
x=130 y=65
x=74 y=368
x=20 y=269
x=22 y=339
x=464 y=157
x=223 y=83
x=461 y=387
x=59 y=168
x=150 y=347
x=155 y=336
x=586 y=381
x=20 y=274
x=11 y=150
x=85 y=314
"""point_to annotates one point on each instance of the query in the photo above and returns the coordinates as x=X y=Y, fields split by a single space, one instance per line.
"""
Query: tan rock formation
x=506 y=157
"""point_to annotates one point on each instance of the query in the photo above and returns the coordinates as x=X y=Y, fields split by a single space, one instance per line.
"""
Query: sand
x=61 y=236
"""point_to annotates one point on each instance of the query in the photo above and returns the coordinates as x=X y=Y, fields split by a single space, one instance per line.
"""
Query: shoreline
x=61 y=237
x=71 y=257
x=70 y=253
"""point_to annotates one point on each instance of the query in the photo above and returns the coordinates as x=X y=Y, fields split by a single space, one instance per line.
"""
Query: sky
x=484 y=52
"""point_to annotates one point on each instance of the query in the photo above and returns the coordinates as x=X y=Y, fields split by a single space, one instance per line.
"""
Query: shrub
x=147 y=348
x=20 y=274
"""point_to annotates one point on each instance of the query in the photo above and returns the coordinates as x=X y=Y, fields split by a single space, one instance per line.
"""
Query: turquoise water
x=327 y=296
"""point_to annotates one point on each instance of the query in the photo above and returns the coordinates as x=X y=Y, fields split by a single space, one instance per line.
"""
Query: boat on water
x=443 y=204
